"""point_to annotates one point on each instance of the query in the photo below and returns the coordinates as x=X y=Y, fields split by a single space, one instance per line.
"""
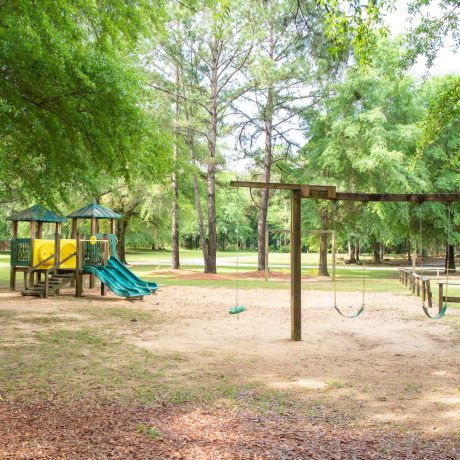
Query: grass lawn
x=349 y=278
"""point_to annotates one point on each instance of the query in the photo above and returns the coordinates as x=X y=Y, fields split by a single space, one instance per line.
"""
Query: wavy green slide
x=121 y=280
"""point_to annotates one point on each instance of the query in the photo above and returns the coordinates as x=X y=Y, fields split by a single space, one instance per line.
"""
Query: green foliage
x=355 y=25
x=432 y=27
x=443 y=110
x=71 y=104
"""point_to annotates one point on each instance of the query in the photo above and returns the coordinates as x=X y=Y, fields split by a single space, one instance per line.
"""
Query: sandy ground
x=390 y=367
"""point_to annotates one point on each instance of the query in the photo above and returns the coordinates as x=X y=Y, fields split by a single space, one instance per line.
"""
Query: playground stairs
x=55 y=282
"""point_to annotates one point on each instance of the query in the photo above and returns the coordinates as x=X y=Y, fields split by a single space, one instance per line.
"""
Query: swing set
x=328 y=192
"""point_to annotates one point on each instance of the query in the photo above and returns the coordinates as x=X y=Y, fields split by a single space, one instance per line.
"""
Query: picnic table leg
x=413 y=284
x=441 y=296
x=423 y=291
x=418 y=287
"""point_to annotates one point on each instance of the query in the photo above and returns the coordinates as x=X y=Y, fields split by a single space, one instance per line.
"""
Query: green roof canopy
x=94 y=211
x=37 y=213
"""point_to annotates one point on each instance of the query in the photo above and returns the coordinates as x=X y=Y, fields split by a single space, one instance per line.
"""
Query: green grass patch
x=71 y=364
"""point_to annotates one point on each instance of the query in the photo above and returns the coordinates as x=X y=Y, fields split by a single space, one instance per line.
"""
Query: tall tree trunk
x=376 y=252
x=351 y=253
x=175 y=261
x=357 y=251
x=210 y=260
x=449 y=259
x=199 y=213
x=268 y=121
x=196 y=192
x=122 y=229
x=323 y=271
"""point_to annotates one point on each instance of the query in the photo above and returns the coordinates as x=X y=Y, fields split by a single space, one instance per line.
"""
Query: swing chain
x=448 y=249
x=362 y=256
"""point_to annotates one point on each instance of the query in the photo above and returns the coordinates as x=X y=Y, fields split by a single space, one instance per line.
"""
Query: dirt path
x=391 y=365
x=390 y=369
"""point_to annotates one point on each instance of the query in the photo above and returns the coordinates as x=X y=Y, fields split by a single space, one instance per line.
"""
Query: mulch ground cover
x=83 y=430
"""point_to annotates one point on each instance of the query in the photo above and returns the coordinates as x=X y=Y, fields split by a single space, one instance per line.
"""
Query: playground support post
x=79 y=268
x=296 y=266
x=14 y=234
x=92 y=279
x=105 y=258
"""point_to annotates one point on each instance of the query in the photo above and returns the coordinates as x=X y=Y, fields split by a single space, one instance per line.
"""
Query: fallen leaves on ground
x=45 y=430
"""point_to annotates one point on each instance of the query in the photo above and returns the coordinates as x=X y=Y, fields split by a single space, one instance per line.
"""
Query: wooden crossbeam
x=327 y=192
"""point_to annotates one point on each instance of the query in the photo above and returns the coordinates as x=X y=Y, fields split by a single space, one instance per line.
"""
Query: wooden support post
x=32 y=234
x=113 y=226
x=105 y=256
x=73 y=235
x=57 y=245
x=74 y=230
x=418 y=286
x=92 y=279
x=78 y=270
x=266 y=253
x=423 y=290
x=14 y=235
x=13 y=279
x=31 y=282
x=413 y=283
x=46 y=285
x=39 y=230
x=296 y=266
x=14 y=229
x=33 y=229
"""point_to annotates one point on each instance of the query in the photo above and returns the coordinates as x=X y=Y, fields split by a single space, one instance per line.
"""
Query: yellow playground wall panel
x=42 y=249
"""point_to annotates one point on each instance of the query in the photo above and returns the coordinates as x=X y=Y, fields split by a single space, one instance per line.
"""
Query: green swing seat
x=354 y=315
x=236 y=310
x=441 y=313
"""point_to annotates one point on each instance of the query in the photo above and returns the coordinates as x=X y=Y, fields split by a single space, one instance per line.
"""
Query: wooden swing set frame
x=326 y=192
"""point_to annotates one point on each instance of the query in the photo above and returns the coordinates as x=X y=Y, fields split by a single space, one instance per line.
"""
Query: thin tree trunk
x=175 y=261
x=351 y=253
x=263 y=207
x=210 y=260
x=323 y=271
x=199 y=213
x=376 y=252
x=357 y=251
x=122 y=228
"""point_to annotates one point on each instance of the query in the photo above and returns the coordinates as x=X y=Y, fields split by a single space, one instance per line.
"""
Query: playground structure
x=49 y=265
x=329 y=192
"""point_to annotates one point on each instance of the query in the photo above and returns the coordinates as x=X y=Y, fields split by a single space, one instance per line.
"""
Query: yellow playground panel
x=42 y=249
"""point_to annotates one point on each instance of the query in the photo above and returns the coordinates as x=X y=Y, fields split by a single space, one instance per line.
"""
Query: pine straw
x=47 y=429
